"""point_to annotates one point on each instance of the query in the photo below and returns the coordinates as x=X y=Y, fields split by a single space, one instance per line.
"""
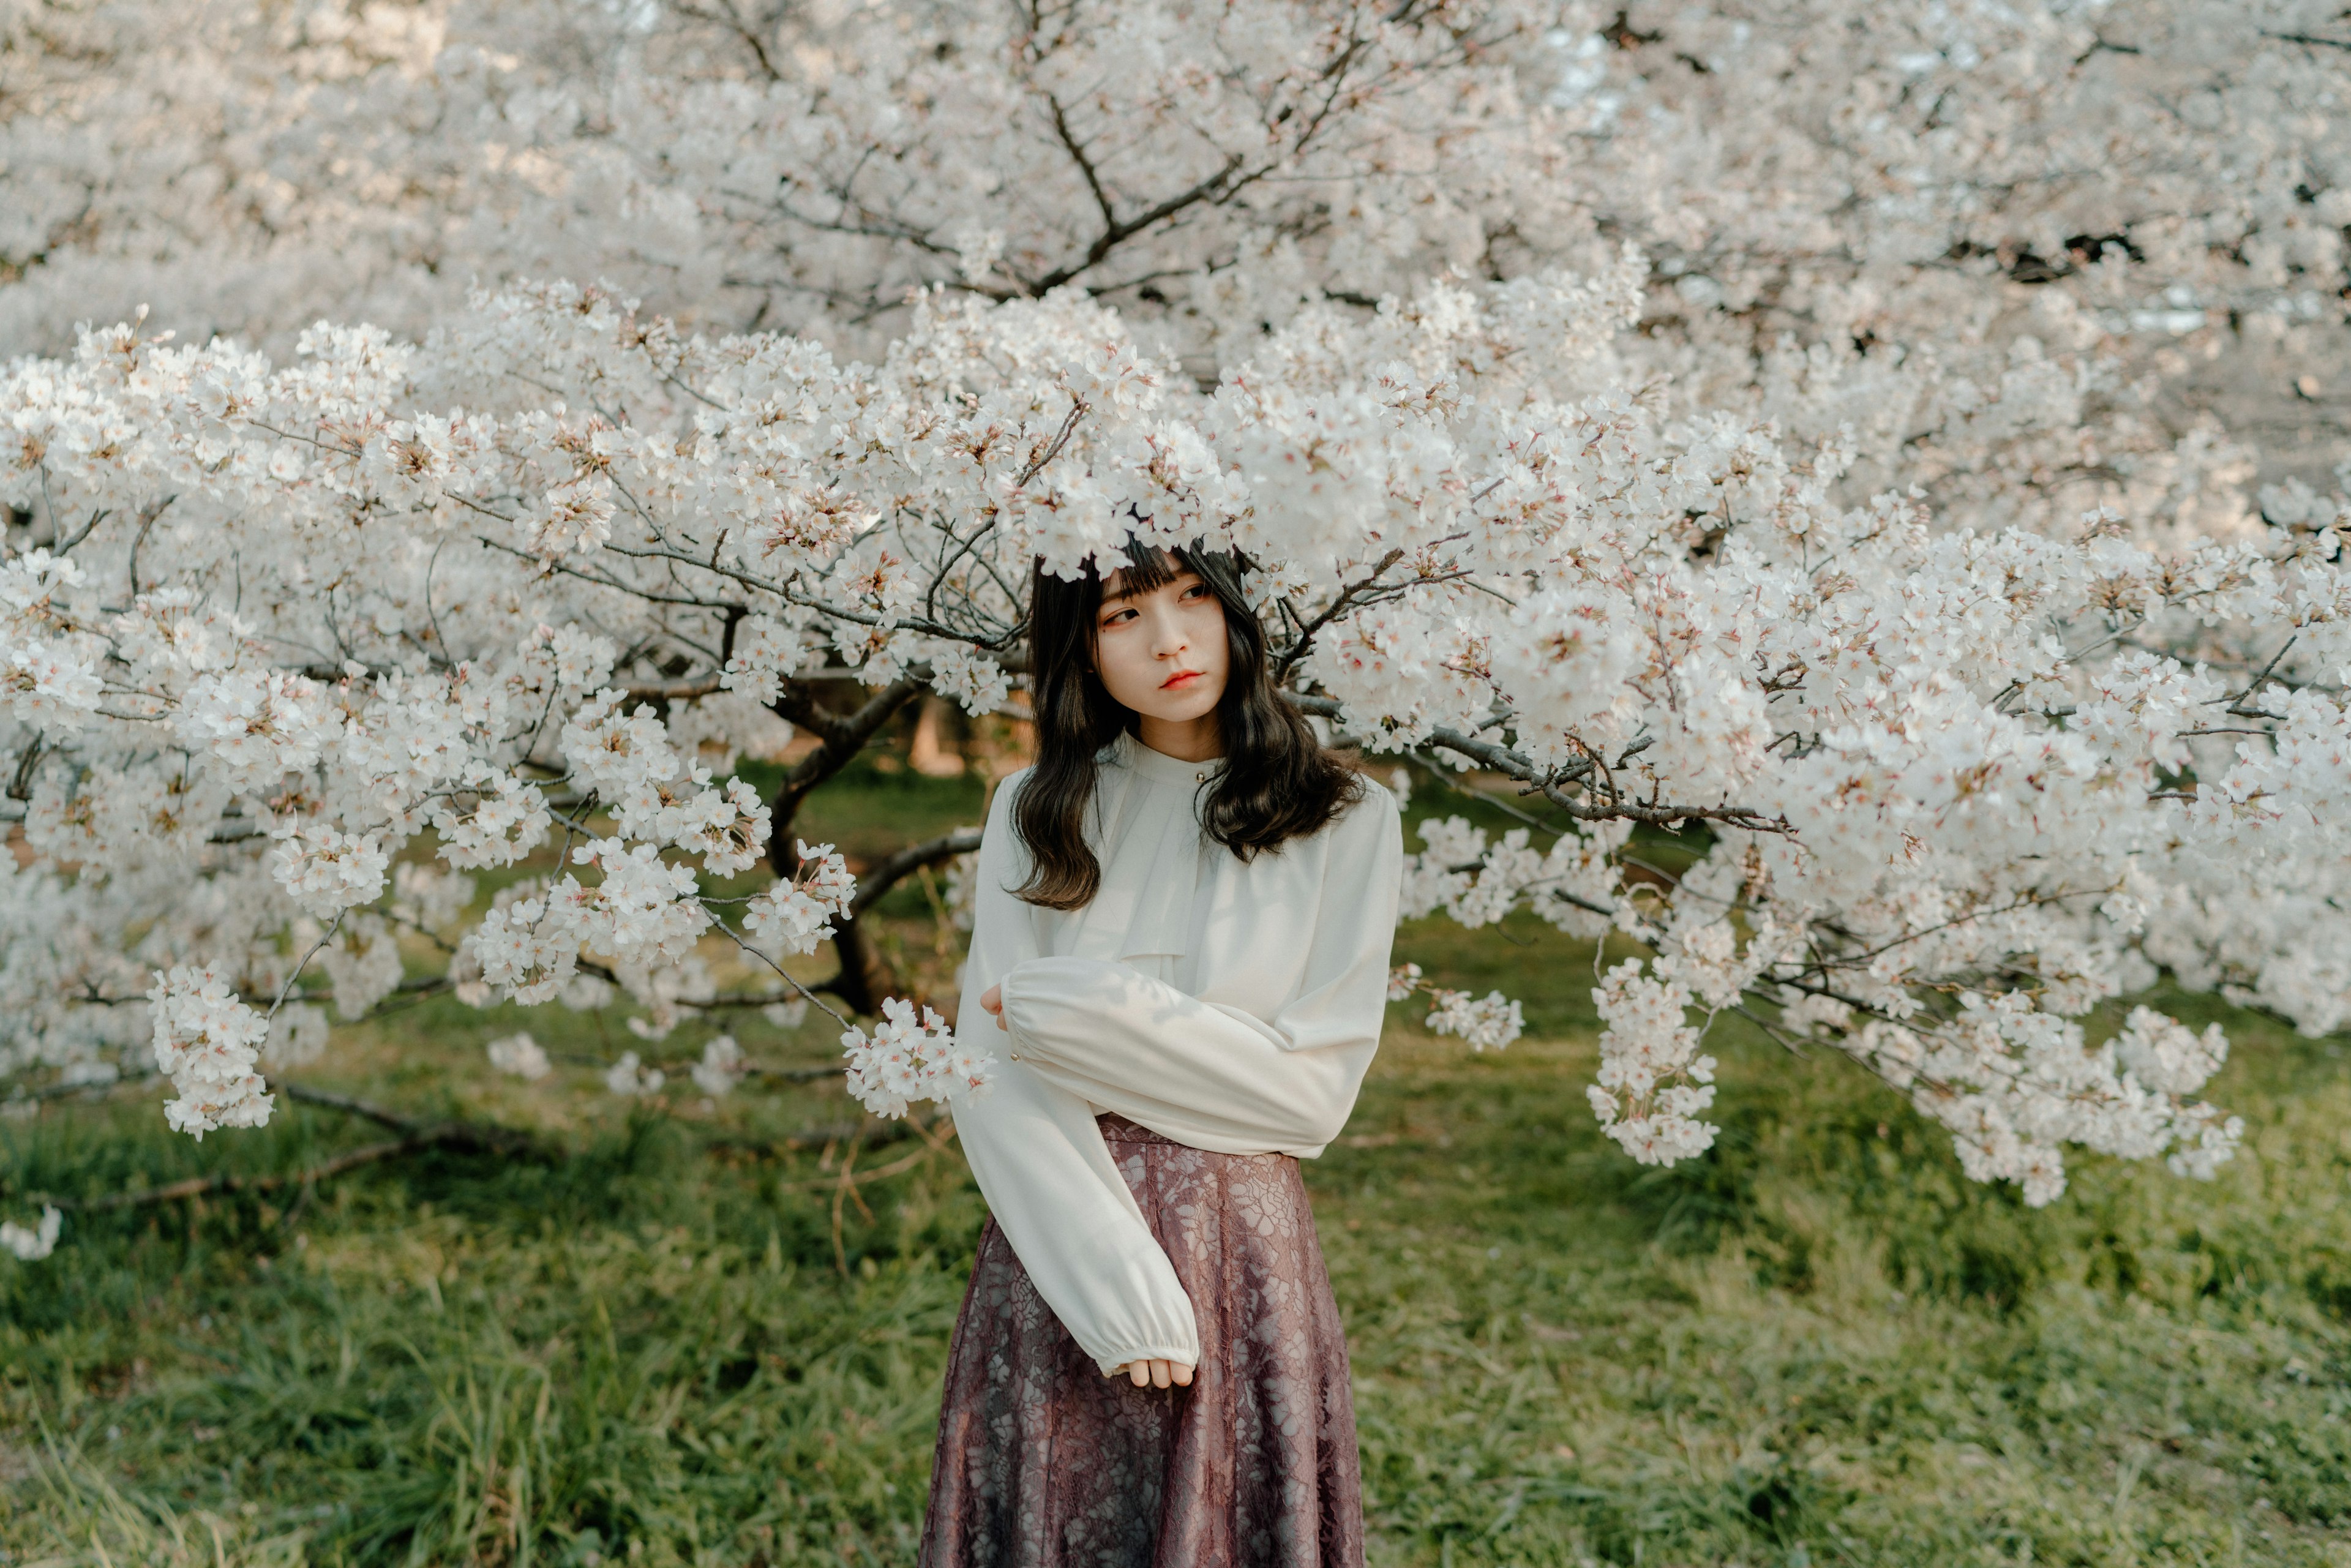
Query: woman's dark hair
x=1277 y=783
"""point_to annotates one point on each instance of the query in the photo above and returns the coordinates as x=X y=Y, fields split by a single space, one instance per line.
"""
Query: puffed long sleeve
x=1041 y=1163
x=1213 y=1075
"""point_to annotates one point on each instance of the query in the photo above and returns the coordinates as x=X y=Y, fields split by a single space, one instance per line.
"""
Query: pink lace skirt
x=1044 y=1462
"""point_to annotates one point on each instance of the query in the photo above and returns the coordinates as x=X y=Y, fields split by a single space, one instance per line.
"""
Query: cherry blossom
x=206 y=1043
x=909 y=1057
x=31 y=1244
x=520 y=1055
x=721 y=1066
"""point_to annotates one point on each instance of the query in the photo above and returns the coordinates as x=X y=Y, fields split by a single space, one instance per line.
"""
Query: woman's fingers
x=1183 y=1373
x=1155 y=1373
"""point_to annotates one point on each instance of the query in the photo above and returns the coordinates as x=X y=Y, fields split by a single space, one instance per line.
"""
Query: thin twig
x=2236 y=703
x=288 y=988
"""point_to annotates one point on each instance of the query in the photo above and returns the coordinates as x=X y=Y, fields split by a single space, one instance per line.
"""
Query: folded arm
x=1056 y=1193
x=1042 y=1165
x=1213 y=1076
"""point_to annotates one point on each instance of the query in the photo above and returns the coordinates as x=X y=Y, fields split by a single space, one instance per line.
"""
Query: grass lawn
x=686 y=1341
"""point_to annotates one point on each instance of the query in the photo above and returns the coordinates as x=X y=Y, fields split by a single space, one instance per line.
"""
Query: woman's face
x=1161 y=654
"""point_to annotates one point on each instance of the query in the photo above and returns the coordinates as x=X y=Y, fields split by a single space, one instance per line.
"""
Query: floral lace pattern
x=1044 y=1462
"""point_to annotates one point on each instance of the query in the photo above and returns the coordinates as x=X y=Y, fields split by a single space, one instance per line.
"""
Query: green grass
x=1821 y=1345
x=685 y=1343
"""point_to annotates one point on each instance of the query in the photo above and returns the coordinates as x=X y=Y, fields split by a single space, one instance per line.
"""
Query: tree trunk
x=865 y=975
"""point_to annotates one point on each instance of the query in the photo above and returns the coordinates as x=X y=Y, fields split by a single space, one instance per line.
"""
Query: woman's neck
x=1187 y=740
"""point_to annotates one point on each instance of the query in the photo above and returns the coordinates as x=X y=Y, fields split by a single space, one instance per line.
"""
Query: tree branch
x=1546 y=782
x=881 y=879
x=843 y=737
x=1304 y=642
x=1220 y=185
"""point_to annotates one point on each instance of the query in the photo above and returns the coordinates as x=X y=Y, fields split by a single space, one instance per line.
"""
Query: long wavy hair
x=1277 y=783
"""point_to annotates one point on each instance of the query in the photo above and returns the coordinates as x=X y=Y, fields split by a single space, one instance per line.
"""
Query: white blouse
x=1232 y=1006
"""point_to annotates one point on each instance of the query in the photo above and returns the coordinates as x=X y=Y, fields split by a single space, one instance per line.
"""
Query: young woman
x=1180 y=962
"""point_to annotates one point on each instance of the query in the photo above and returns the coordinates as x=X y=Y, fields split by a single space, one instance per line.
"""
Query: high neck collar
x=1128 y=752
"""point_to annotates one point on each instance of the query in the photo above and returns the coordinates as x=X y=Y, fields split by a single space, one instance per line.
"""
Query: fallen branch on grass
x=461 y=1138
x=487 y=1138
x=472 y=1137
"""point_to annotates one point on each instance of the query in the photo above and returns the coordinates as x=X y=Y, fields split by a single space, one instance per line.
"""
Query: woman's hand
x=1155 y=1373
x=992 y=1000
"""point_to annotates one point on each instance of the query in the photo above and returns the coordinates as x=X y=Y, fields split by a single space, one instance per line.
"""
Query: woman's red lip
x=1178 y=678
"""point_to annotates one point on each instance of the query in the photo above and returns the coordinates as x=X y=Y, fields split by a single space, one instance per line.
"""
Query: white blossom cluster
x=1571 y=884
x=2068 y=200
x=722 y=1067
x=521 y=1056
x=795 y=914
x=30 y=1244
x=2013 y=1085
x=2032 y=254
x=907 y=1058
x=1490 y=1021
x=208 y=1042
x=1651 y=1082
x=630 y=1076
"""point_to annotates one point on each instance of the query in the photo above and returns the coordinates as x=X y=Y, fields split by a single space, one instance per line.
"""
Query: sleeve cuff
x=1177 y=1353
x=1012 y=992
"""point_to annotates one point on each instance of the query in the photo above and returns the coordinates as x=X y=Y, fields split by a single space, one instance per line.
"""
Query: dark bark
x=839 y=737
x=865 y=975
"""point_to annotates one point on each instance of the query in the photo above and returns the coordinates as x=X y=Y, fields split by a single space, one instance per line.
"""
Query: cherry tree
x=1701 y=420
x=1962 y=787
